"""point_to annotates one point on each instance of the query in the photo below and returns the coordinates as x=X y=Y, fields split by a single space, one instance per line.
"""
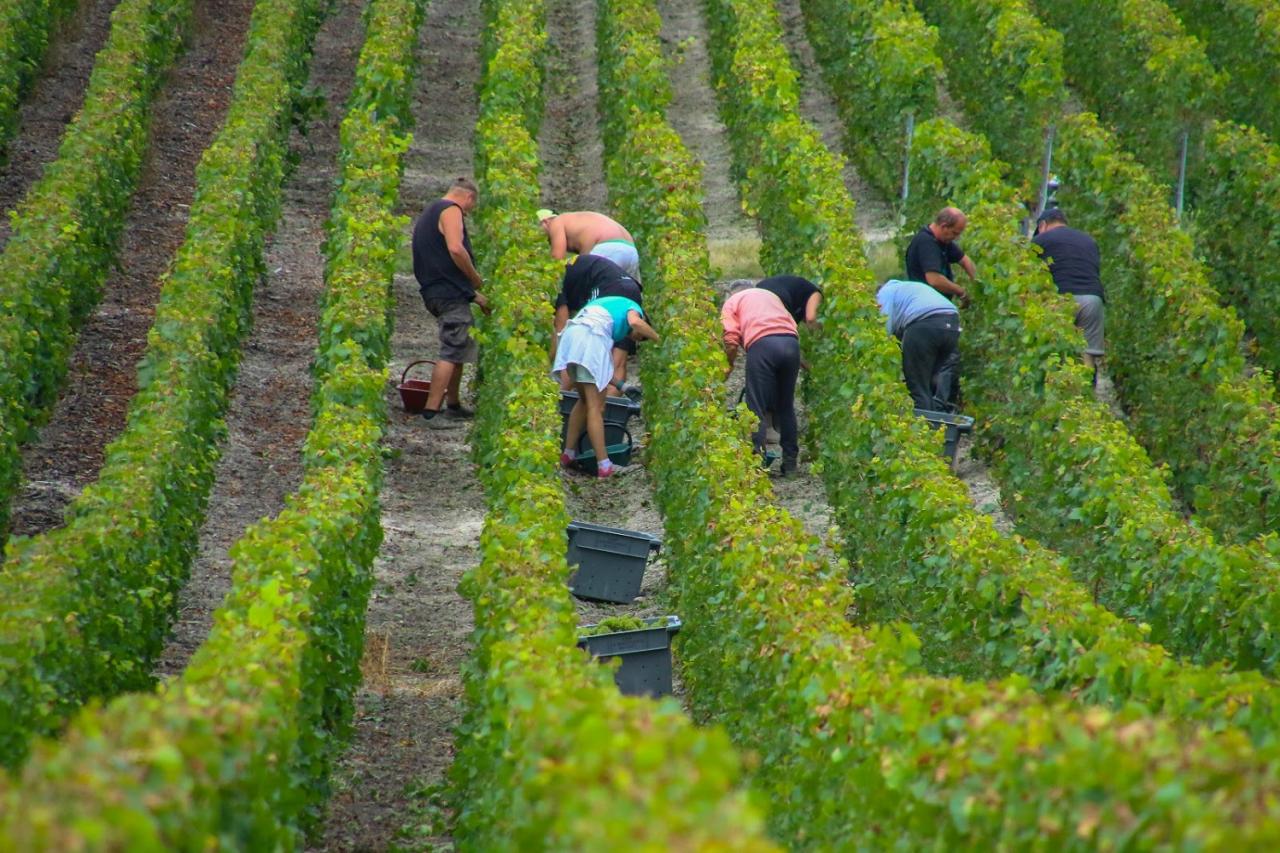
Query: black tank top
x=438 y=276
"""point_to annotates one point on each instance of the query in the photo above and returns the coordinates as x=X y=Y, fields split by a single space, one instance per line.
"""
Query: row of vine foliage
x=1082 y=486
x=65 y=233
x=1148 y=54
x=1175 y=353
x=859 y=746
x=898 y=58
x=1242 y=37
x=236 y=752
x=85 y=609
x=25 y=27
x=1235 y=222
x=1133 y=62
x=551 y=756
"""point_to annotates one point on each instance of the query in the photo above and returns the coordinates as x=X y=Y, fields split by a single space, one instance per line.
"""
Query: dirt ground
x=102 y=376
x=418 y=625
x=270 y=409
x=53 y=101
x=874 y=214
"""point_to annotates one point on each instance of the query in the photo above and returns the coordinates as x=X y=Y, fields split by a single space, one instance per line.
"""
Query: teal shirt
x=618 y=306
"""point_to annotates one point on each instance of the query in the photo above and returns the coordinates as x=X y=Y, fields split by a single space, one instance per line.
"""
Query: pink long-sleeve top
x=752 y=314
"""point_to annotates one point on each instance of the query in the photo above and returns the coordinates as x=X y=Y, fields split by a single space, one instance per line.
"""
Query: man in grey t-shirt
x=929 y=327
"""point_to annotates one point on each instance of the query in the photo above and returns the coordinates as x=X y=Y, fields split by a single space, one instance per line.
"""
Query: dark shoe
x=458 y=412
x=440 y=420
x=788 y=465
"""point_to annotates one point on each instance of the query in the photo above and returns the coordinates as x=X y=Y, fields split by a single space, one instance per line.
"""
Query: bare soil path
x=573 y=169
x=53 y=101
x=270 y=409
x=874 y=214
x=693 y=114
x=102 y=375
x=571 y=150
x=418 y=628
x=875 y=219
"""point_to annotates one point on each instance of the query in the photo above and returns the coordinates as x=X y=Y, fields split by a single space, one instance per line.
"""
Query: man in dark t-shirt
x=589 y=277
x=933 y=250
x=799 y=295
x=930 y=255
x=444 y=265
x=1075 y=265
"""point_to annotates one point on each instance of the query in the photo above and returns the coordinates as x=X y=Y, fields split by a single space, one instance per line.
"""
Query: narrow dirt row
x=418 y=626
x=874 y=214
x=270 y=406
x=102 y=376
x=570 y=149
x=693 y=113
x=572 y=168
x=53 y=101
x=877 y=222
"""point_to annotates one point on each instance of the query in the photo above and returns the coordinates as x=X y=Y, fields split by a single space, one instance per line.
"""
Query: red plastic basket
x=413 y=392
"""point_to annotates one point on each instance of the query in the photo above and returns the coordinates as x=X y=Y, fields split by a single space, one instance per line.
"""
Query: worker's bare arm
x=811 y=309
x=640 y=330
x=559 y=241
x=942 y=284
x=451 y=228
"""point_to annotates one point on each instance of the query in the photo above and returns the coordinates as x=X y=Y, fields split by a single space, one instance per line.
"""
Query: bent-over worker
x=1075 y=265
x=589 y=233
x=756 y=320
x=589 y=277
x=584 y=352
x=800 y=296
x=929 y=328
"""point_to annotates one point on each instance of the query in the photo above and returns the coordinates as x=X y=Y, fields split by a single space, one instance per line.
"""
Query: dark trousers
x=930 y=347
x=773 y=363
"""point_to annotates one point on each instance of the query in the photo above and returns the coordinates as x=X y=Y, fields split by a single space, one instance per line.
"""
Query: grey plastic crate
x=646 y=655
x=617 y=410
x=610 y=561
x=956 y=425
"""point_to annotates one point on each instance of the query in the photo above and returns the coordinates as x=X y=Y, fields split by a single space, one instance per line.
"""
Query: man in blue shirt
x=929 y=327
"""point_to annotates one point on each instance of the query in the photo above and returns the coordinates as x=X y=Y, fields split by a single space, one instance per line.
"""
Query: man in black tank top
x=444 y=266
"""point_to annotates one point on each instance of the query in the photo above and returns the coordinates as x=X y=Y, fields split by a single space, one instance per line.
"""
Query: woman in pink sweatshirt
x=757 y=321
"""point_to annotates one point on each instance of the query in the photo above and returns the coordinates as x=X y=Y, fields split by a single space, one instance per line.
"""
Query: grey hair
x=740 y=284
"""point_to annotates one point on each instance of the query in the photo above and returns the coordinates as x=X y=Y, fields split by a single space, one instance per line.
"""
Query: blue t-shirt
x=904 y=302
x=618 y=306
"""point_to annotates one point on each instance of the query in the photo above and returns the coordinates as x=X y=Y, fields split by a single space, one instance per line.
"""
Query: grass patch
x=885 y=260
x=735 y=258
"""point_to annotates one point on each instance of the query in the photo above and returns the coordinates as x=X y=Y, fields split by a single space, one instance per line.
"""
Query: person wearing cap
x=757 y=320
x=929 y=327
x=444 y=265
x=1075 y=265
x=589 y=277
x=930 y=256
x=586 y=232
x=584 y=353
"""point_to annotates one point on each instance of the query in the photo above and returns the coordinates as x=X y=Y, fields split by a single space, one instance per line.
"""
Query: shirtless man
x=589 y=233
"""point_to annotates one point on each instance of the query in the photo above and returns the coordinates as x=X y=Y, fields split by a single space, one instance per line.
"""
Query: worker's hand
x=482 y=302
x=963 y=297
x=804 y=365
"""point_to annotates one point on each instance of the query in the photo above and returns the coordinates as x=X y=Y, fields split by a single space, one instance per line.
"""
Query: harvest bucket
x=413 y=392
